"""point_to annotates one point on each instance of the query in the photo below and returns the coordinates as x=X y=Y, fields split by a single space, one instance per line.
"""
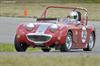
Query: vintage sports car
x=69 y=32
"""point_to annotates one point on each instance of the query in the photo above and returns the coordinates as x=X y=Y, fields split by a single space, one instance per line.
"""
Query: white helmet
x=73 y=15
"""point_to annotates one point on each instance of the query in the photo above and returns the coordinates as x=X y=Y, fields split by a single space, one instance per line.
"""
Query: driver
x=75 y=16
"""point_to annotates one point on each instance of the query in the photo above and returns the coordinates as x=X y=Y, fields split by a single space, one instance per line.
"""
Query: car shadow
x=71 y=51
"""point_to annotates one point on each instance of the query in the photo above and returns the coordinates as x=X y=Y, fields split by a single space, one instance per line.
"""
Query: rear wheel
x=20 y=47
x=91 y=43
x=68 y=44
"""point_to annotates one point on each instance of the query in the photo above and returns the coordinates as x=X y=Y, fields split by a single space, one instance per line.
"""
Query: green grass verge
x=22 y=59
x=7 y=47
x=36 y=9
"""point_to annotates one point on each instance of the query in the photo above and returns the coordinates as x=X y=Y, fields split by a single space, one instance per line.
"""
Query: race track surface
x=8 y=28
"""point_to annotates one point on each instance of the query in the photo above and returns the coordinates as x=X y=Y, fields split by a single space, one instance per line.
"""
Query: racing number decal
x=84 y=34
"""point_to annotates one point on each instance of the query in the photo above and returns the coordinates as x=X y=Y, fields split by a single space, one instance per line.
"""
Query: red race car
x=69 y=32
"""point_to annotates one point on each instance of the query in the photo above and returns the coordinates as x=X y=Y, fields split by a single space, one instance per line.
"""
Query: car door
x=82 y=34
x=79 y=35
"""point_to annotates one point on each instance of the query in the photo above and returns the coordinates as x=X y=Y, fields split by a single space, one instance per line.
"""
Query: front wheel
x=68 y=44
x=91 y=43
x=20 y=47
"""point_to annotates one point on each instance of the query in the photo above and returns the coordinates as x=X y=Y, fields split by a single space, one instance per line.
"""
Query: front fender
x=63 y=34
x=20 y=29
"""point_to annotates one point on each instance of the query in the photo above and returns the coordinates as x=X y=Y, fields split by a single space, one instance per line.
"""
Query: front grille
x=38 y=38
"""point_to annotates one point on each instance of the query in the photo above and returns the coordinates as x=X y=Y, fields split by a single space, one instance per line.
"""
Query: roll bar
x=63 y=7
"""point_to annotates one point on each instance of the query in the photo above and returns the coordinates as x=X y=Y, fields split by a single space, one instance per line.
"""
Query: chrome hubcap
x=69 y=41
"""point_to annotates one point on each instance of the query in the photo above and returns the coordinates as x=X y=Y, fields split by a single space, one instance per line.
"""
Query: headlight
x=53 y=28
x=29 y=26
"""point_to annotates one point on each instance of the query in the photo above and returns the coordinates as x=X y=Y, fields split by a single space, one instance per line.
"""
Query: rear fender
x=89 y=32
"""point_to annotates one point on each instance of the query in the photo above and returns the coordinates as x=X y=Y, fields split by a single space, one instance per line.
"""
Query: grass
x=21 y=59
x=7 y=47
x=36 y=9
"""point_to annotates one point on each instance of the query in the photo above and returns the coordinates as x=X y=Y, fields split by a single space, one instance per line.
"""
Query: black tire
x=90 y=45
x=20 y=47
x=65 y=47
x=45 y=49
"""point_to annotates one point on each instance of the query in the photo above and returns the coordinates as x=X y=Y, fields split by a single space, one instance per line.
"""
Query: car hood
x=42 y=27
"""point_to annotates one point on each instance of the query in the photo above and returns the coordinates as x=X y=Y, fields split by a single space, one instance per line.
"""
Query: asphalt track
x=8 y=28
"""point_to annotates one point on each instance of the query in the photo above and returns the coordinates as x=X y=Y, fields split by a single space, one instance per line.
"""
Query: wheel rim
x=91 y=41
x=68 y=41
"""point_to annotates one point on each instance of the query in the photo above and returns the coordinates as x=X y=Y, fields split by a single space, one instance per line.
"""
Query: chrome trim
x=38 y=42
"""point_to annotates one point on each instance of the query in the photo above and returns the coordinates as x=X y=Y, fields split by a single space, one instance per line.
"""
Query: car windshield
x=47 y=20
x=65 y=20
